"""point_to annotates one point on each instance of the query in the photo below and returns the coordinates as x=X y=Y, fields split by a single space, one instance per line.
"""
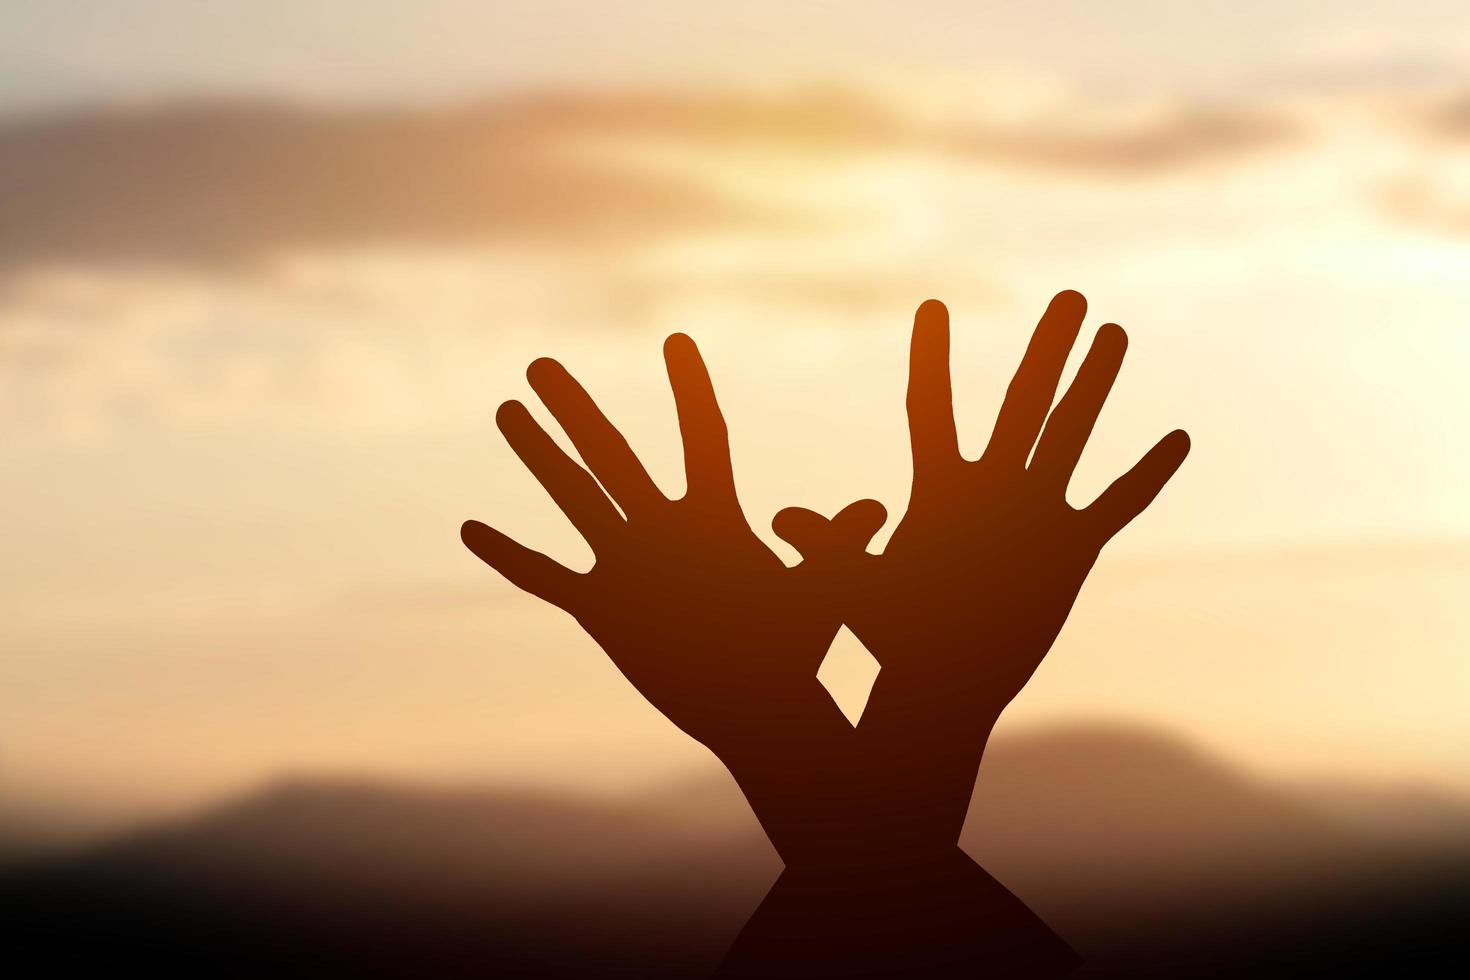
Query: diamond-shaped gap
x=848 y=672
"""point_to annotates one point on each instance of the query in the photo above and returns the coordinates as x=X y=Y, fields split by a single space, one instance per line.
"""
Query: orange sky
x=249 y=357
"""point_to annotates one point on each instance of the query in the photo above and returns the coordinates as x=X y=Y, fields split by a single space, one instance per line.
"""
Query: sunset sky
x=267 y=269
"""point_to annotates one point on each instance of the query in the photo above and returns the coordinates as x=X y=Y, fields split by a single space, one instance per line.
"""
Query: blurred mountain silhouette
x=1150 y=856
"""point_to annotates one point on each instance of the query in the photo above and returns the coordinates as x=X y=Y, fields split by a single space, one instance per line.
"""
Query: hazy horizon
x=1179 y=791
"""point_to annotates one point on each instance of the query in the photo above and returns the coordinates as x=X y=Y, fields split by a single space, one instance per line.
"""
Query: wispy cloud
x=214 y=183
x=1431 y=194
x=207 y=184
x=1183 y=138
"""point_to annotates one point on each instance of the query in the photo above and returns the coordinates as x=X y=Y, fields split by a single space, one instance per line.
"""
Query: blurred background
x=268 y=268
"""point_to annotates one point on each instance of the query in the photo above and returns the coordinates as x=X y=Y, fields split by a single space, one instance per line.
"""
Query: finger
x=855 y=524
x=707 y=465
x=601 y=446
x=1071 y=422
x=805 y=530
x=1035 y=383
x=930 y=399
x=528 y=570
x=1136 y=489
x=572 y=487
x=832 y=551
x=814 y=536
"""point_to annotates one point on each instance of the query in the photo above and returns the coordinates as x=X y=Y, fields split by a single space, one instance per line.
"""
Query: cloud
x=1443 y=119
x=209 y=184
x=1183 y=138
x=1100 y=139
x=1427 y=202
x=1431 y=193
x=215 y=183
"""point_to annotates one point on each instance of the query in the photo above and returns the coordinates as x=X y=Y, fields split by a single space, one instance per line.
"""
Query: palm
x=702 y=618
x=989 y=572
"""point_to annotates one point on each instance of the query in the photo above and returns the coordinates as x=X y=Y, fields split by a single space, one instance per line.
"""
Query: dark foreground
x=1149 y=859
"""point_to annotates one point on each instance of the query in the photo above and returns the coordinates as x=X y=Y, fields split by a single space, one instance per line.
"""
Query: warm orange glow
x=249 y=358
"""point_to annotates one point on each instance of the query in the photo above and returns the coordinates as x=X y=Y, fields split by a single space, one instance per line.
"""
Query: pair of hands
x=725 y=639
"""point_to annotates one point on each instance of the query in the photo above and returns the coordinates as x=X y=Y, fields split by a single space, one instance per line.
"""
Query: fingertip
x=1071 y=301
x=679 y=345
x=543 y=369
x=471 y=532
x=867 y=514
x=929 y=344
x=863 y=517
x=1112 y=337
x=805 y=530
x=509 y=413
x=785 y=519
x=1180 y=442
x=931 y=310
x=682 y=357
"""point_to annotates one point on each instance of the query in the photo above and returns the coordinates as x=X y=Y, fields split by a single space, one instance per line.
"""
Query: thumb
x=844 y=535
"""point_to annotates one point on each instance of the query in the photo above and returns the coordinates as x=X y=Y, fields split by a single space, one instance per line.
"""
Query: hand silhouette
x=980 y=574
x=695 y=610
x=959 y=609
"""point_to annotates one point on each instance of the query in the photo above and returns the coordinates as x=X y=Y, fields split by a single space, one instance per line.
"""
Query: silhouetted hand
x=980 y=574
x=698 y=613
x=960 y=608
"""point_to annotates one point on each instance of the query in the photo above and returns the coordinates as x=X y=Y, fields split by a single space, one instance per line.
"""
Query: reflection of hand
x=694 y=609
x=984 y=567
x=940 y=916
